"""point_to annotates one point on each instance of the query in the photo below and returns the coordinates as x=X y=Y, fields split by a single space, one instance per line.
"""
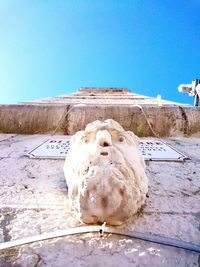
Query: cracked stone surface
x=33 y=200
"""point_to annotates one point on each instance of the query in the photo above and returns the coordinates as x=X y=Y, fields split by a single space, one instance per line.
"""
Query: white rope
x=101 y=230
x=78 y=105
x=64 y=115
x=147 y=120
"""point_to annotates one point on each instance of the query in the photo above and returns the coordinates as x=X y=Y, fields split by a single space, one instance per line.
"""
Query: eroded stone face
x=105 y=173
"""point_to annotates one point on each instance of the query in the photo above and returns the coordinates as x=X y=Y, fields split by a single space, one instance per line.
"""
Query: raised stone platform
x=67 y=119
x=146 y=116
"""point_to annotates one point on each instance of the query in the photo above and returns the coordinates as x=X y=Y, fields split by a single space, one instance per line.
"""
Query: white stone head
x=105 y=173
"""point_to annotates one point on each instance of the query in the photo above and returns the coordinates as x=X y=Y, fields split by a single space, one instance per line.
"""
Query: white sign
x=57 y=148
x=158 y=150
x=52 y=148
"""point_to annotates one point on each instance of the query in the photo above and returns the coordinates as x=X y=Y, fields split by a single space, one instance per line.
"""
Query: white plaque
x=58 y=147
x=158 y=150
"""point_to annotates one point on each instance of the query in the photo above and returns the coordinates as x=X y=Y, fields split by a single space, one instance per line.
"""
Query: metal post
x=196 y=100
x=195 y=85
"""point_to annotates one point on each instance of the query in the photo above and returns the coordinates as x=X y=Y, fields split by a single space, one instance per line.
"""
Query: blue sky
x=54 y=47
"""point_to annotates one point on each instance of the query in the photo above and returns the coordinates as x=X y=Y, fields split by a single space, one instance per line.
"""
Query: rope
x=78 y=105
x=101 y=230
x=64 y=115
x=147 y=120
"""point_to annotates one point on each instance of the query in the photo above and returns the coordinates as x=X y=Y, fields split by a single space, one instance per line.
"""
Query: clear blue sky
x=53 y=47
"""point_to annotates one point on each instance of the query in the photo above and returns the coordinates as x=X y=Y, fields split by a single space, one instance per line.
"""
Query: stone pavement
x=33 y=200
